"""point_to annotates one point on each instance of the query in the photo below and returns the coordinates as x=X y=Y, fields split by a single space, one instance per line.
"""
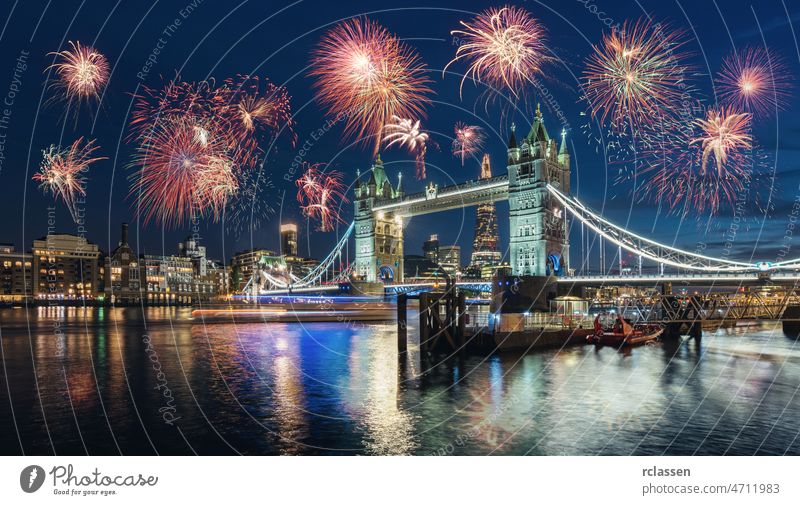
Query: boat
x=305 y=310
x=624 y=333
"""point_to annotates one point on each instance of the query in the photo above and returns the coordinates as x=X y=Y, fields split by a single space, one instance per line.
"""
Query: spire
x=512 y=140
x=378 y=176
x=486 y=167
x=358 y=178
x=538 y=132
x=563 y=149
x=399 y=182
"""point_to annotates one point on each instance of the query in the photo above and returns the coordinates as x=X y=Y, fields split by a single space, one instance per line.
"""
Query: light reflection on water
x=328 y=388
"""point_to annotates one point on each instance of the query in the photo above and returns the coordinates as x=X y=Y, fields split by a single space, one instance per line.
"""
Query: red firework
x=195 y=102
x=636 y=75
x=182 y=175
x=365 y=75
x=253 y=107
x=321 y=195
x=82 y=74
x=61 y=171
x=504 y=47
x=677 y=171
x=468 y=140
x=242 y=111
x=194 y=139
x=755 y=80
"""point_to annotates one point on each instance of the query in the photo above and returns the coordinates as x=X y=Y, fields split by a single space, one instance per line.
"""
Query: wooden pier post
x=402 y=324
x=462 y=322
x=424 y=329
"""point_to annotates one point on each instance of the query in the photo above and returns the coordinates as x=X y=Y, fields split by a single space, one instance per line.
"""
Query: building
x=450 y=259
x=485 y=244
x=172 y=280
x=289 y=239
x=538 y=244
x=421 y=269
x=446 y=256
x=123 y=273
x=16 y=281
x=191 y=248
x=245 y=263
x=66 y=267
x=430 y=248
x=379 y=237
x=489 y=271
x=300 y=267
x=221 y=276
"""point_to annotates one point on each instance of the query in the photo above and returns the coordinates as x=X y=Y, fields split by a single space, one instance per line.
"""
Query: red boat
x=623 y=333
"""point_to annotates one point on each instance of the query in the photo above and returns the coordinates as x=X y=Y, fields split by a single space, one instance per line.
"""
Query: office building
x=66 y=267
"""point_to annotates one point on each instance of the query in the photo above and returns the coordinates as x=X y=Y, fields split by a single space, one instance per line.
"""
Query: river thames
x=131 y=381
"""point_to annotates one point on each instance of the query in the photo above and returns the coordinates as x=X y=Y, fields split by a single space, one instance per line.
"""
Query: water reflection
x=81 y=380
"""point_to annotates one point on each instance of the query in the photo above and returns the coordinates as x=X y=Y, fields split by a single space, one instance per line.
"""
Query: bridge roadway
x=699 y=280
x=692 y=279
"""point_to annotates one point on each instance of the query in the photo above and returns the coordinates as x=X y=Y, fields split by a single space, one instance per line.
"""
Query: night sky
x=274 y=38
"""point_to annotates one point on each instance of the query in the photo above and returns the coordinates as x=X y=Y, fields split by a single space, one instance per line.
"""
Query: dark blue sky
x=273 y=39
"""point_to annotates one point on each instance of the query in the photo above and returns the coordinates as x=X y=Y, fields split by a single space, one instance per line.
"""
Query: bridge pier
x=672 y=330
x=437 y=333
x=791 y=321
x=696 y=330
x=402 y=325
x=424 y=324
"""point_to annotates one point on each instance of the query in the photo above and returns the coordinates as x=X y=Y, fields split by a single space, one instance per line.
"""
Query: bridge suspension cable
x=646 y=248
x=315 y=276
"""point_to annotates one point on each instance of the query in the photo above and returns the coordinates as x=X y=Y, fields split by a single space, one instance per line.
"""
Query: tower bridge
x=539 y=244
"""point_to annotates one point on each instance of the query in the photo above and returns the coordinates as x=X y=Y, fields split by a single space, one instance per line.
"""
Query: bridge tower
x=539 y=245
x=379 y=235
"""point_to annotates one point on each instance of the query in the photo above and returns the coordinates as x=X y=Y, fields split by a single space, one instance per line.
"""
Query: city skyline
x=107 y=205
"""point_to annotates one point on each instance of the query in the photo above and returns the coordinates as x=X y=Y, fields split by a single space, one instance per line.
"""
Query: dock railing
x=546 y=320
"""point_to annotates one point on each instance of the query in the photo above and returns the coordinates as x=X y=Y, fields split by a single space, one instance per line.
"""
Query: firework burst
x=82 y=73
x=251 y=205
x=504 y=48
x=195 y=141
x=61 y=172
x=365 y=75
x=636 y=76
x=468 y=140
x=321 y=195
x=243 y=112
x=724 y=135
x=252 y=109
x=197 y=103
x=755 y=80
x=407 y=133
x=180 y=176
x=677 y=172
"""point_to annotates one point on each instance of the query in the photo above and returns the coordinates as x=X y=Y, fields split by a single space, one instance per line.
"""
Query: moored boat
x=624 y=334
